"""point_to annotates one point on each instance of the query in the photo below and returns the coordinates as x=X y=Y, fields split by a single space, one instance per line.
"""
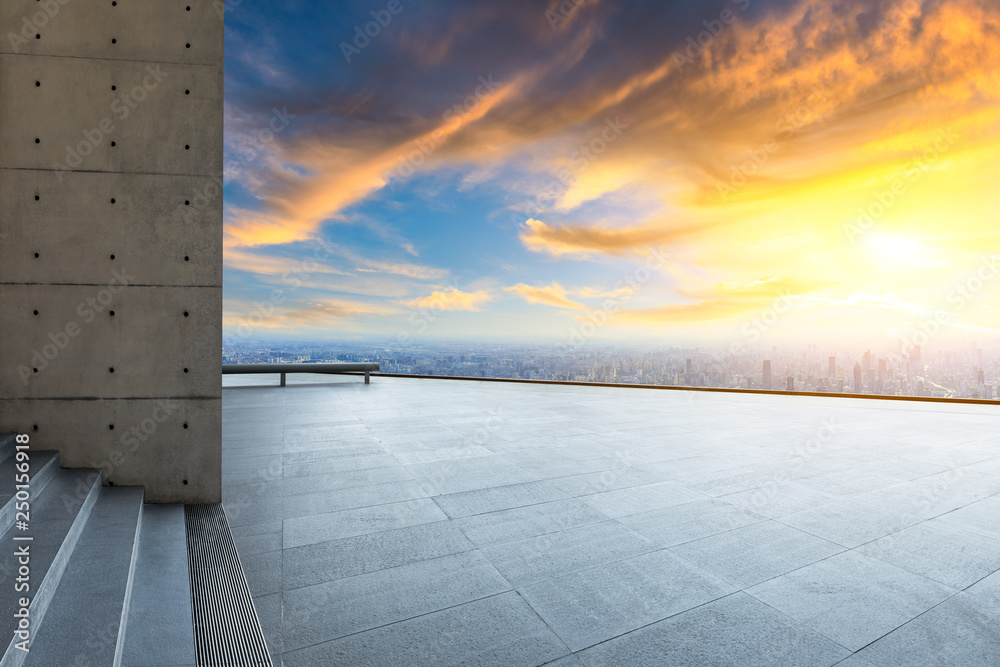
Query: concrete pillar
x=111 y=237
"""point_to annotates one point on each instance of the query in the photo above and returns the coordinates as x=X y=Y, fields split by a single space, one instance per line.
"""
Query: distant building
x=832 y=371
x=791 y=383
x=982 y=377
x=767 y=374
x=857 y=377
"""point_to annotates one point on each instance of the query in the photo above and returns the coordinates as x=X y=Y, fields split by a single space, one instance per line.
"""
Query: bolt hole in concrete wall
x=162 y=210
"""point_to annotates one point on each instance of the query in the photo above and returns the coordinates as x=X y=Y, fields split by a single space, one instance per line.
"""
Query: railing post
x=366 y=378
x=282 y=379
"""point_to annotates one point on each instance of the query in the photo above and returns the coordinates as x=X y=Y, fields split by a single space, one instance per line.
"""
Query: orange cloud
x=451 y=299
x=580 y=239
x=549 y=295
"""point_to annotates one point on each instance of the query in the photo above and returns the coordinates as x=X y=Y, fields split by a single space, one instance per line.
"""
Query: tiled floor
x=434 y=522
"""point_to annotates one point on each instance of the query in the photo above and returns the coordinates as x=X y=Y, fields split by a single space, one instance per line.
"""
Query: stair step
x=42 y=465
x=160 y=630
x=85 y=622
x=6 y=445
x=58 y=517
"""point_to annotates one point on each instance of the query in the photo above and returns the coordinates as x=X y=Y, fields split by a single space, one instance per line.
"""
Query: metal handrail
x=323 y=369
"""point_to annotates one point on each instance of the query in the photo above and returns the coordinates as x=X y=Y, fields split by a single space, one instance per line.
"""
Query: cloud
x=319 y=314
x=581 y=239
x=549 y=295
x=745 y=159
x=451 y=299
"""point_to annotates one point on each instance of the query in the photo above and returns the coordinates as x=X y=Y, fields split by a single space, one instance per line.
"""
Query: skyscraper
x=857 y=377
x=767 y=374
x=832 y=372
x=791 y=383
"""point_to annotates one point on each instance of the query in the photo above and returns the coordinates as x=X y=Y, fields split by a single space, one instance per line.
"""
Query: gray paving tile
x=605 y=480
x=960 y=632
x=268 y=609
x=611 y=446
x=738 y=480
x=455 y=476
x=263 y=572
x=328 y=611
x=328 y=561
x=954 y=557
x=736 y=631
x=524 y=522
x=329 y=466
x=361 y=521
x=690 y=467
x=987 y=590
x=978 y=484
x=850 y=522
x=501 y=630
x=690 y=521
x=407 y=456
x=779 y=498
x=850 y=598
x=346 y=479
x=852 y=481
x=599 y=603
x=553 y=554
x=979 y=517
x=637 y=499
x=497 y=498
x=323 y=502
x=752 y=554
x=920 y=500
x=854 y=661
x=258 y=544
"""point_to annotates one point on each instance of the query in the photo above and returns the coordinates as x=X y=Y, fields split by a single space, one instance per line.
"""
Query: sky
x=721 y=171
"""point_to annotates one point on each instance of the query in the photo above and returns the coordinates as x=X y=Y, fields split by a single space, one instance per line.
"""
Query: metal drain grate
x=226 y=628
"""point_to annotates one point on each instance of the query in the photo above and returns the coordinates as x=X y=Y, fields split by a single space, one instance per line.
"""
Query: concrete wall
x=110 y=202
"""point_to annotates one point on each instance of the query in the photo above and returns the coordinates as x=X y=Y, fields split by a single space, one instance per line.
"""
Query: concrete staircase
x=107 y=576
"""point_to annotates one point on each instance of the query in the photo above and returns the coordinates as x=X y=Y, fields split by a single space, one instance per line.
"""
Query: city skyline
x=736 y=171
x=943 y=371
